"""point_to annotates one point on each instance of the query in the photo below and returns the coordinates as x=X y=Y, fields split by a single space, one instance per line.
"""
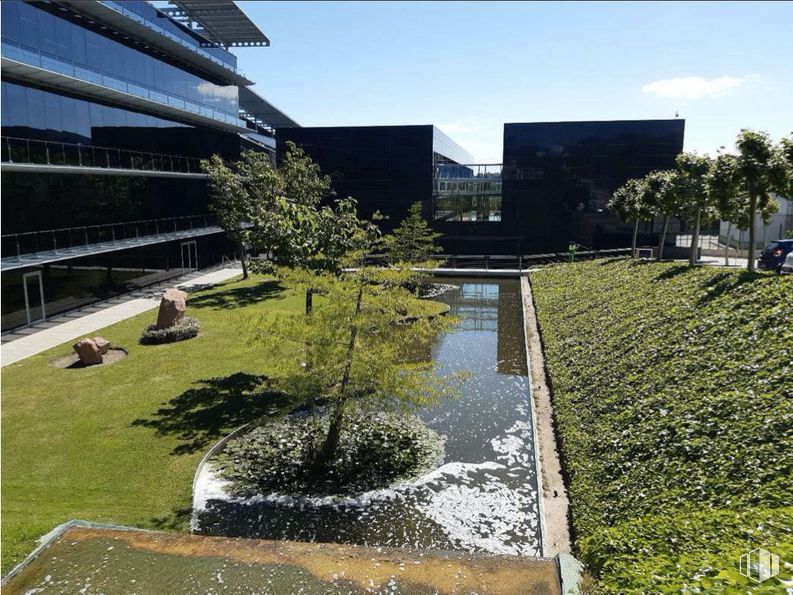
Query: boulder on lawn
x=88 y=352
x=172 y=307
x=102 y=344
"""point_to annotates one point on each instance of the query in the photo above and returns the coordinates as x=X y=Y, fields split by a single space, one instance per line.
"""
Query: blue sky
x=470 y=67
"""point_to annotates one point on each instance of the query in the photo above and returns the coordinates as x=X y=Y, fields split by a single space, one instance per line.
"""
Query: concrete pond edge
x=554 y=505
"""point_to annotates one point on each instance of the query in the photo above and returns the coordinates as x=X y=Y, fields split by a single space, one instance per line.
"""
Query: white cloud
x=468 y=126
x=693 y=87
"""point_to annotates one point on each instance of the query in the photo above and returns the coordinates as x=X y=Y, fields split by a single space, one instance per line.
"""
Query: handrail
x=135 y=222
x=32 y=242
x=18 y=150
x=502 y=261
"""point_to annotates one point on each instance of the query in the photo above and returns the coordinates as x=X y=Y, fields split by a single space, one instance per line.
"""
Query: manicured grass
x=673 y=391
x=120 y=443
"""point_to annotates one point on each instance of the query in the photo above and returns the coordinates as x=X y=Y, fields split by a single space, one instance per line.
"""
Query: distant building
x=552 y=189
x=780 y=224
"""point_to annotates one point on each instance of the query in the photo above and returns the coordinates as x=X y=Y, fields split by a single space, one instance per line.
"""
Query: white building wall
x=781 y=222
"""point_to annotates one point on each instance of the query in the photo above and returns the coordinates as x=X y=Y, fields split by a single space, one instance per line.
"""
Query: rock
x=172 y=307
x=102 y=344
x=88 y=352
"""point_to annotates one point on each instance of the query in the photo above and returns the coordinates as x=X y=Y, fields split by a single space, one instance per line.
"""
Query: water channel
x=484 y=496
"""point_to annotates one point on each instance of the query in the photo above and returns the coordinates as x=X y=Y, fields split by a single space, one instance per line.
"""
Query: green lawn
x=673 y=391
x=120 y=443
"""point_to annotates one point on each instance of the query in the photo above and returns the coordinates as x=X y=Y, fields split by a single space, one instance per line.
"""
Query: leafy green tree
x=695 y=203
x=627 y=203
x=413 y=240
x=786 y=151
x=279 y=211
x=742 y=184
x=660 y=197
x=355 y=349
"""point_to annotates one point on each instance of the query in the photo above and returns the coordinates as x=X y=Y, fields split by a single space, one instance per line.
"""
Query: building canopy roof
x=220 y=21
x=263 y=110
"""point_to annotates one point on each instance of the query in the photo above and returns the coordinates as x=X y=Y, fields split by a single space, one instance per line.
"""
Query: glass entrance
x=190 y=256
x=34 y=296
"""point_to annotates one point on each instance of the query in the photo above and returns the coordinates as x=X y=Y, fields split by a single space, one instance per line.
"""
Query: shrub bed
x=376 y=450
x=187 y=328
x=674 y=403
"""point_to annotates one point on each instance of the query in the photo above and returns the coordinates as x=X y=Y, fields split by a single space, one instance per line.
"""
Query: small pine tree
x=413 y=240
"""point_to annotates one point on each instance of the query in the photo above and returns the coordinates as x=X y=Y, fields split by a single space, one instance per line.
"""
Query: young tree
x=354 y=349
x=413 y=240
x=278 y=210
x=742 y=184
x=660 y=197
x=232 y=204
x=627 y=203
x=694 y=201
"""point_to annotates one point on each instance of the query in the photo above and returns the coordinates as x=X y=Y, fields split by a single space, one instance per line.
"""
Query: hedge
x=673 y=394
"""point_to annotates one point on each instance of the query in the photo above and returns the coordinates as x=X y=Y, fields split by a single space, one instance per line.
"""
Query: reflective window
x=31 y=28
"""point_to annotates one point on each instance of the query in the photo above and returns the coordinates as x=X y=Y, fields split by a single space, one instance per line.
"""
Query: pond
x=484 y=496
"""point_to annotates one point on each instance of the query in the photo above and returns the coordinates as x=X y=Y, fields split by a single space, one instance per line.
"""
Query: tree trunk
x=750 y=254
x=243 y=260
x=633 y=241
x=693 y=256
x=334 y=431
x=309 y=300
x=727 y=249
x=662 y=239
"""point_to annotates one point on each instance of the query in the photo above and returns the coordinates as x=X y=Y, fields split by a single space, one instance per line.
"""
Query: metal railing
x=38 y=152
x=520 y=262
x=55 y=240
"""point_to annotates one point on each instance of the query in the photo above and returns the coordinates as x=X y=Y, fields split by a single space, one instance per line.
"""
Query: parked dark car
x=773 y=255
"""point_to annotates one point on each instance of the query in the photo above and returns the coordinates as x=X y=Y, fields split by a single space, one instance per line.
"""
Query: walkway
x=22 y=343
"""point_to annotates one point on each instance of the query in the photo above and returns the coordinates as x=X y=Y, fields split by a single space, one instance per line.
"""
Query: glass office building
x=559 y=176
x=551 y=189
x=385 y=168
x=107 y=110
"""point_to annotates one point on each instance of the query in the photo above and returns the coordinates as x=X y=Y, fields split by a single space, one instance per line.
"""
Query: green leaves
x=672 y=391
x=413 y=241
x=278 y=210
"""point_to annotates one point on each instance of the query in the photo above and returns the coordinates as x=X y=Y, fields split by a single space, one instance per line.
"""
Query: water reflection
x=483 y=498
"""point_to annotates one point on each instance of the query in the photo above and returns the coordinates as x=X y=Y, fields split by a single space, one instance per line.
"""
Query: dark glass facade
x=31 y=28
x=74 y=283
x=558 y=177
x=40 y=116
x=385 y=168
x=553 y=190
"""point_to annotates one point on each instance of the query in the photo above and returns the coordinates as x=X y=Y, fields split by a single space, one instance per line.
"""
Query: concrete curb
x=218 y=446
x=554 y=505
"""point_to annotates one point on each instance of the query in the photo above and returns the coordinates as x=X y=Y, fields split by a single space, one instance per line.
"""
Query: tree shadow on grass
x=200 y=416
x=236 y=297
x=725 y=282
x=177 y=520
x=673 y=272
